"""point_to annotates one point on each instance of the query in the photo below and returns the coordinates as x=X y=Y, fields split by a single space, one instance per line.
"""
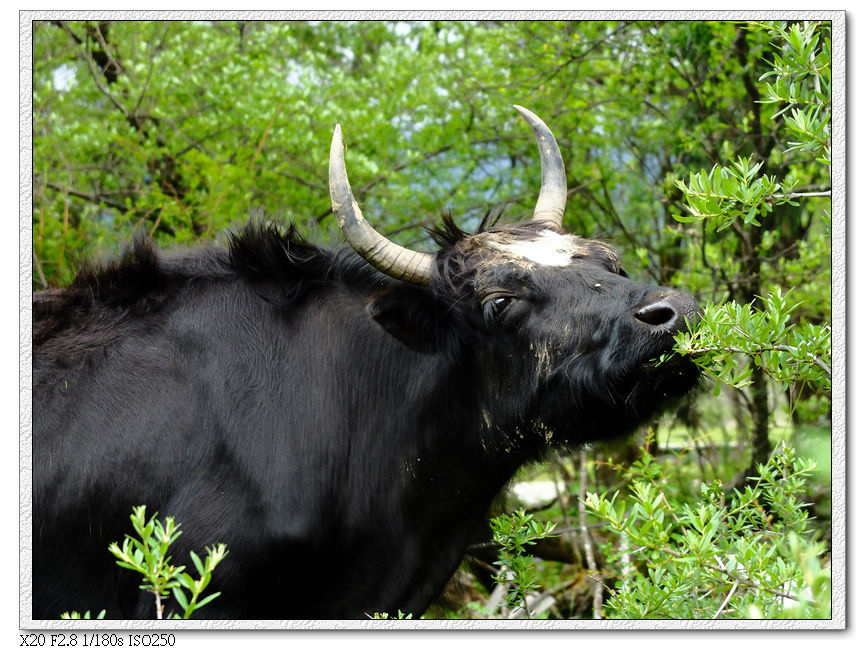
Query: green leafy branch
x=802 y=87
x=724 y=195
x=802 y=71
x=754 y=555
x=513 y=533
x=786 y=351
x=148 y=556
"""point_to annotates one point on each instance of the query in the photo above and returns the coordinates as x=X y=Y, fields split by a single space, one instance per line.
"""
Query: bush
x=747 y=555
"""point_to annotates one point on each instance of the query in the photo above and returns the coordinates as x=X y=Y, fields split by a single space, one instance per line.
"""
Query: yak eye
x=496 y=306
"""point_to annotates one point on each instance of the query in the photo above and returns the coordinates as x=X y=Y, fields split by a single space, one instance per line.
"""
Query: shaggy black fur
x=343 y=433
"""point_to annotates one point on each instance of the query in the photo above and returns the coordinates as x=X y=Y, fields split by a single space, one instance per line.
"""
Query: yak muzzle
x=668 y=312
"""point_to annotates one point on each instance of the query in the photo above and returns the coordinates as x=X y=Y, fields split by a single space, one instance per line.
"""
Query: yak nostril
x=658 y=314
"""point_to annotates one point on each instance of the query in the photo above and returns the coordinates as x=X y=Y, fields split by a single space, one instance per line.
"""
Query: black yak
x=341 y=419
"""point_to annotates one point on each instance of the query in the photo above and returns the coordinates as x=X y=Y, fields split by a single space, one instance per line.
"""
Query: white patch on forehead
x=548 y=248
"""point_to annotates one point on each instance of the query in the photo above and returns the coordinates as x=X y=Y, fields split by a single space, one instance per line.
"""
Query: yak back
x=106 y=299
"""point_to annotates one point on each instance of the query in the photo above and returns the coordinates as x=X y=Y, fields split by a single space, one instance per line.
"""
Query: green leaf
x=186 y=581
x=180 y=597
x=197 y=562
x=206 y=600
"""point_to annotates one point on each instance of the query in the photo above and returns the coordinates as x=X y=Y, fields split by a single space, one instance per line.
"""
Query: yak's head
x=566 y=344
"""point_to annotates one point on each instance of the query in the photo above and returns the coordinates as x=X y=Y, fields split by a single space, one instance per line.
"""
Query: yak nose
x=668 y=312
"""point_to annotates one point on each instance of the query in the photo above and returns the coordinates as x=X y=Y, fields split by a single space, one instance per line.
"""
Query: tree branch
x=92 y=198
x=95 y=75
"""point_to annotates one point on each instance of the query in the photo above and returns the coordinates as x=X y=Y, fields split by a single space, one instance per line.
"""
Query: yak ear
x=410 y=315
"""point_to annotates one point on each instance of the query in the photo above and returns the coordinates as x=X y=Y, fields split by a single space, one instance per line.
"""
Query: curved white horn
x=390 y=258
x=554 y=186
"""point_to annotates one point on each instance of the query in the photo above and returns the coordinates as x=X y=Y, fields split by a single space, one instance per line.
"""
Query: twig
x=597 y=594
x=729 y=596
x=562 y=505
x=39 y=272
x=497 y=595
x=97 y=32
x=800 y=195
x=765 y=348
x=320 y=187
x=84 y=195
x=266 y=133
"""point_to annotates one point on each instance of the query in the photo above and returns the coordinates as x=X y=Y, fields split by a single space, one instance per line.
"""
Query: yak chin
x=600 y=411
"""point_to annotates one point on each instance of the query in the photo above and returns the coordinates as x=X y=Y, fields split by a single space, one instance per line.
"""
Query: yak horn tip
x=337 y=132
